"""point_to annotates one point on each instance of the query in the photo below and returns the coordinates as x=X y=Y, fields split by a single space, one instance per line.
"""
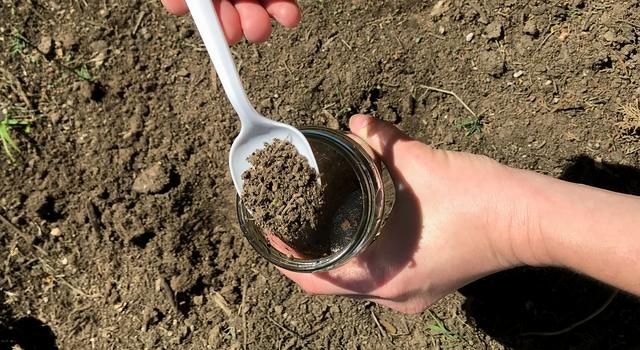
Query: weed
x=470 y=125
x=439 y=328
x=9 y=123
x=341 y=113
x=84 y=74
x=18 y=43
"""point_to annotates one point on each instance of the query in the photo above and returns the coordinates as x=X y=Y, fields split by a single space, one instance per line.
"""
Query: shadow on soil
x=531 y=308
x=28 y=333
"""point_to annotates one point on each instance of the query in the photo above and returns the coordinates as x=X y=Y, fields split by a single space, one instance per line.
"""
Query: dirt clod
x=282 y=190
x=493 y=31
x=153 y=180
x=531 y=28
x=491 y=63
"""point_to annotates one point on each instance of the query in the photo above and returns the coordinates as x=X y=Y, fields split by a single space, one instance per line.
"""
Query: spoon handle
x=208 y=24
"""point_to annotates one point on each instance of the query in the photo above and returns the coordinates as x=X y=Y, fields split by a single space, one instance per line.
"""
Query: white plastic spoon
x=255 y=130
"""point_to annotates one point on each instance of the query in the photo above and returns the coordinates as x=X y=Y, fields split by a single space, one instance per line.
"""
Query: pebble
x=518 y=74
x=55 y=232
x=46 y=45
x=278 y=309
x=441 y=30
x=610 y=36
x=469 y=37
x=449 y=140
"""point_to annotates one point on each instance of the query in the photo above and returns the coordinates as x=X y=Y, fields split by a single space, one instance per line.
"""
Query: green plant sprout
x=470 y=125
x=18 y=43
x=439 y=328
x=84 y=74
x=8 y=123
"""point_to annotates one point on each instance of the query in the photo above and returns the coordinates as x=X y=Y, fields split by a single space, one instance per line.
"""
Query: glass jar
x=356 y=205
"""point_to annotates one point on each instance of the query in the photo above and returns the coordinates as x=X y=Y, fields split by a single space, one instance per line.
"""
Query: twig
x=244 y=314
x=347 y=45
x=93 y=217
x=168 y=292
x=222 y=303
x=576 y=324
x=430 y=88
x=292 y=333
x=544 y=41
x=375 y=319
x=17 y=87
x=634 y=25
x=138 y=22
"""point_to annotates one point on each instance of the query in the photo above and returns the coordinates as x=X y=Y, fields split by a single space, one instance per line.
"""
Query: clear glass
x=355 y=202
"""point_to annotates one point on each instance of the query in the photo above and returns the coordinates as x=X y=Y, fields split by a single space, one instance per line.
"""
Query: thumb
x=393 y=146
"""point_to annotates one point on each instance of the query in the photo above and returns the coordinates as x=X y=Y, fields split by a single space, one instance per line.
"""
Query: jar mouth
x=369 y=179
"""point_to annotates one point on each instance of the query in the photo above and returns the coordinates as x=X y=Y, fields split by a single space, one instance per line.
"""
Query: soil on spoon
x=282 y=191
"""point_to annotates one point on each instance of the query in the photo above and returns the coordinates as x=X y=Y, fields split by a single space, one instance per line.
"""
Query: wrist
x=518 y=233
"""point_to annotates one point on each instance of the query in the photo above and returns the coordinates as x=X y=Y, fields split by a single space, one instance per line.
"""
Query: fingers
x=249 y=17
x=254 y=19
x=230 y=20
x=176 y=7
x=286 y=12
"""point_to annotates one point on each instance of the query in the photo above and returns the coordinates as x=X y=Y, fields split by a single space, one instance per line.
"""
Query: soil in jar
x=285 y=199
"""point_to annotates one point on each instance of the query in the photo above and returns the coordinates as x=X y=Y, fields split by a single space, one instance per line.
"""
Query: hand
x=251 y=18
x=455 y=220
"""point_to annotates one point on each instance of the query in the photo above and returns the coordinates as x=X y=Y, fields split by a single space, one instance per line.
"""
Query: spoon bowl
x=255 y=130
x=253 y=138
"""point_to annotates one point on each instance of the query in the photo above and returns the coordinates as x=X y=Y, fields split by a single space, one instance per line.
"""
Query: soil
x=282 y=191
x=112 y=251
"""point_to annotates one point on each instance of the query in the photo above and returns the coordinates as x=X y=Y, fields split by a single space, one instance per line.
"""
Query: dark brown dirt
x=122 y=86
x=282 y=191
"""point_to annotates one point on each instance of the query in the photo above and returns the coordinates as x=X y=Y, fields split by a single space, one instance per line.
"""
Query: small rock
x=54 y=117
x=610 y=36
x=448 y=140
x=389 y=327
x=266 y=103
x=493 y=31
x=333 y=123
x=441 y=30
x=518 y=74
x=153 y=180
x=46 y=45
x=278 y=309
x=198 y=300
x=531 y=28
x=491 y=63
x=469 y=37
x=55 y=232
x=135 y=128
x=440 y=8
x=99 y=46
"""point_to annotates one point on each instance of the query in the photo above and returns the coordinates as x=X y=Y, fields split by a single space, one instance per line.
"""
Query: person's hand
x=455 y=220
x=249 y=18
